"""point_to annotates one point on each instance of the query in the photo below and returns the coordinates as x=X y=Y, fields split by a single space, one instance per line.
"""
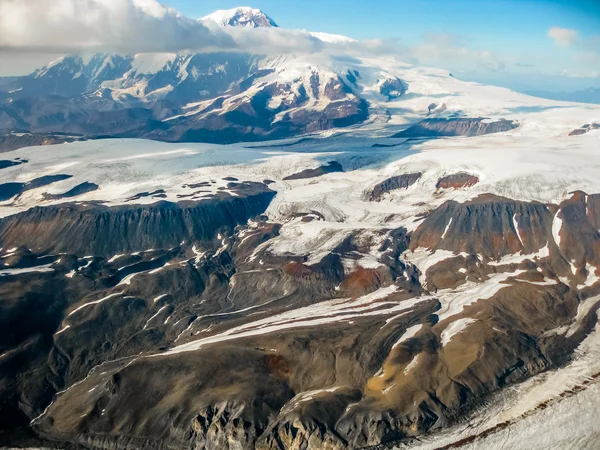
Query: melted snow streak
x=65 y=328
x=154 y=316
x=447 y=228
x=86 y=305
x=519 y=257
x=556 y=227
x=38 y=269
x=455 y=328
x=516 y=225
x=408 y=334
x=328 y=312
x=455 y=300
x=592 y=277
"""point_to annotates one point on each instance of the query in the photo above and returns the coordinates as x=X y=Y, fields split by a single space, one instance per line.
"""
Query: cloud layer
x=33 y=32
x=564 y=37
x=451 y=50
x=127 y=26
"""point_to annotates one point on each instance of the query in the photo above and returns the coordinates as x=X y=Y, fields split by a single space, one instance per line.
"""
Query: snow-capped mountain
x=243 y=16
x=216 y=96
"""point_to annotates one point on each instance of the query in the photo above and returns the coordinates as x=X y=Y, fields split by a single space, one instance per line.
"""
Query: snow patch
x=408 y=334
x=86 y=305
x=454 y=328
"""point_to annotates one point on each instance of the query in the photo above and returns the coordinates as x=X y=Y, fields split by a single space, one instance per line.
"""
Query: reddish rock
x=457 y=181
x=363 y=281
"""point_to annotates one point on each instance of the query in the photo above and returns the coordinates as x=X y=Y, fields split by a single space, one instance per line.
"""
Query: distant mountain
x=213 y=97
x=243 y=16
x=591 y=95
x=225 y=97
x=220 y=97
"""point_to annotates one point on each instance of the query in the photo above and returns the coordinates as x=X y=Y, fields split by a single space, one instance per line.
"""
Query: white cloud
x=128 y=26
x=579 y=74
x=443 y=49
x=117 y=25
x=564 y=37
x=30 y=29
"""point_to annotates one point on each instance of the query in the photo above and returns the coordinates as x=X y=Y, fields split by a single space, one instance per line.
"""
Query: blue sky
x=511 y=37
x=526 y=45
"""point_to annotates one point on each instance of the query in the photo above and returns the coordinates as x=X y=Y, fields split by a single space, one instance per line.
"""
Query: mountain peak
x=242 y=16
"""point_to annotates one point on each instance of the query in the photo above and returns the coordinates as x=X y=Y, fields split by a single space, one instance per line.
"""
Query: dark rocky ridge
x=15 y=141
x=330 y=167
x=457 y=181
x=468 y=127
x=10 y=190
x=393 y=88
x=485 y=226
x=105 y=231
x=403 y=181
x=8 y=163
x=584 y=129
x=80 y=189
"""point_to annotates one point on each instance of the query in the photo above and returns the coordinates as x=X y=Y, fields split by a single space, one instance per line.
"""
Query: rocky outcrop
x=10 y=163
x=490 y=226
x=457 y=181
x=576 y=233
x=403 y=181
x=15 y=189
x=80 y=189
x=336 y=89
x=431 y=128
x=330 y=167
x=585 y=129
x=393 y=88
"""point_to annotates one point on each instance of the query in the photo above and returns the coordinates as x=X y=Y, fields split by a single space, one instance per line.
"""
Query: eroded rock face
x=105 y=231
x=488 y=225
x=457 y=181
x=468 y=127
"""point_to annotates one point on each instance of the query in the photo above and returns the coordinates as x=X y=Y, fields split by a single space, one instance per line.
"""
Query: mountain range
x=207 y=97
x=330 y=250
